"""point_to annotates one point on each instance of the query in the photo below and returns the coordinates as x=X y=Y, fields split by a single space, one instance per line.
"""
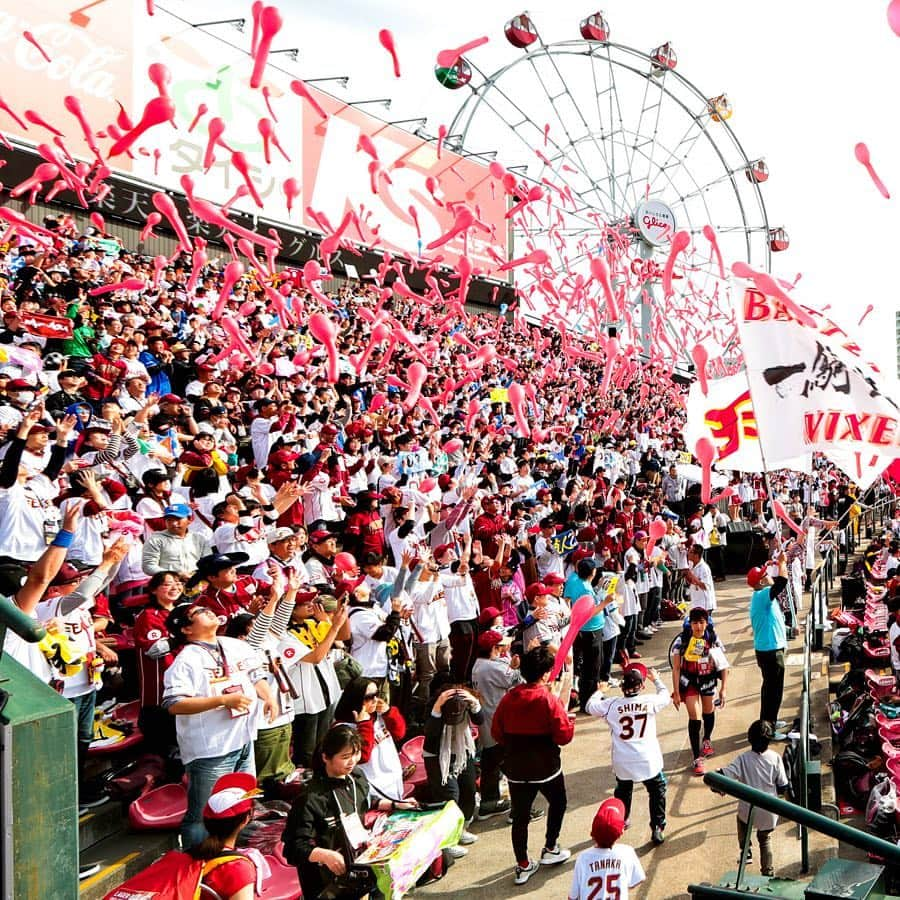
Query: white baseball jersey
x=602 y=874
x=636 y=754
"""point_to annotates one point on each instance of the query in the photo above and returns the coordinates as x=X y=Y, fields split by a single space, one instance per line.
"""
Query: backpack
x=175 y=876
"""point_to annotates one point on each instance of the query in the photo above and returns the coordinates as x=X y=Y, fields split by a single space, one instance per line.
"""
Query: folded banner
x=812 y=389
x=726 y=416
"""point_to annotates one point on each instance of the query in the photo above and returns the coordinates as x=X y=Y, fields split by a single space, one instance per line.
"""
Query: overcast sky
x=807 y=82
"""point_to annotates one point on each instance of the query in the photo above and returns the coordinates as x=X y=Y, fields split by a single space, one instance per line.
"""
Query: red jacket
x=531 y=724
x=393 y=721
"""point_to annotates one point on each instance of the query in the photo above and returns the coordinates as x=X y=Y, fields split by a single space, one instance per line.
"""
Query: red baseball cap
x=487 y=615
x=231 y=795
x=553 y=580
x=756 y=575
x=535 y=590
x=609 y=822
x=491 y=639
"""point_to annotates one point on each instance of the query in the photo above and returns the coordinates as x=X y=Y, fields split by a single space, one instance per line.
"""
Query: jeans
x=771 y=664
x=521 y=796
x=458 y=788
x=84 y=721
x=656 y=790
x=203 y=774
x=589 y=652
x=609 y=652
x=651 y=613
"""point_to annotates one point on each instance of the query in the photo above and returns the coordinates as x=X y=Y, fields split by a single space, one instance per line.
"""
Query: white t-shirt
x=198 y=672
x=23 y=513
x=462 y=602
x=384 y=769
x=704 y=597
x=602 y=874
x=636 y=754
x=79 y=625
x=369 y=653
x=430 y=611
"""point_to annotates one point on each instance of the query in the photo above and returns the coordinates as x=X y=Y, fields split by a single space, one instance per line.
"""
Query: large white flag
x=812 y=389
x=725 y=415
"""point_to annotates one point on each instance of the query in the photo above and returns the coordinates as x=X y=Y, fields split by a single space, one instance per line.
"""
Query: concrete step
x=120 y=856
x=101 y=822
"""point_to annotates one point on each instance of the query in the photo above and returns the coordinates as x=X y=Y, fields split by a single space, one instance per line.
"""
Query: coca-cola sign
x=655 y=221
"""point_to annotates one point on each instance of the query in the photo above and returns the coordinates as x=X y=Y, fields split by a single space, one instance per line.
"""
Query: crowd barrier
x=835 y=559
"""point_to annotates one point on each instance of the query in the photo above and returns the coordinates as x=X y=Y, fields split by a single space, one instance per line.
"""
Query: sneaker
x=657 y=836
x=523 y=873
x=457 y=852
x=489 y=810
x=646 y=633
x=635 y=655
x=87 y=869
x=467 y=838
x=748 y=856
x=699 y=767
x=780 y=724
x=707 y=749
x=533 y=817
x=554 y=856
x=769 y=873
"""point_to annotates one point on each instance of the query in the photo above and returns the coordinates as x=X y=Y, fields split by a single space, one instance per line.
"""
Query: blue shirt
x=767 y=620
x=575 y=588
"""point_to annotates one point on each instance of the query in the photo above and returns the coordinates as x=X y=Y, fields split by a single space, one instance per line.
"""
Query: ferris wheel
x=624 y=153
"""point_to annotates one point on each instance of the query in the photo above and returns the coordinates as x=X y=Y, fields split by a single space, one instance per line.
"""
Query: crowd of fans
x=266 y=547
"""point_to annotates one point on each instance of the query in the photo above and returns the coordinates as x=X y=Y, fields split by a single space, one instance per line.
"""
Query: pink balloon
x=427 y=485
x=680 y=243
x=517 y=402
x=270 y=23
x=291 y=192
x=161 y=78
x=657 y=532
x=265 y=368
x=202 y=110
x=416 y=375
x=701 y=358
x=325 y=332
x=452 y=446
x=893 y=15
x=582 y=610
x=234 y=272
x=157 y=111
x=447 y=58
x=862 y=156
x=165 y=204
x=33 y=41
x=386 y=39
x=705 y=451
x=301 y=90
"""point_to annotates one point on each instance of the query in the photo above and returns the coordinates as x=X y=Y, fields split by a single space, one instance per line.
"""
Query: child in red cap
x=607 y=870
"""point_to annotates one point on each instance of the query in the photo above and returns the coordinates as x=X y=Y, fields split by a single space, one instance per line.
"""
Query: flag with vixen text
x=813 y=389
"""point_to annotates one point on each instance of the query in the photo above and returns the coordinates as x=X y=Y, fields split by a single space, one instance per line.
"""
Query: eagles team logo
x=154 y=635
x=290 y=653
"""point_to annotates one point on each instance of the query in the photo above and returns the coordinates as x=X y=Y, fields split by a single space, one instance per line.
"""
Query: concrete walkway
x=701 y=838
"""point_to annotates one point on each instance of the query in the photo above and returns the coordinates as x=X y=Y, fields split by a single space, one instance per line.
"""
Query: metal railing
x=837 y=556
x=806 y=819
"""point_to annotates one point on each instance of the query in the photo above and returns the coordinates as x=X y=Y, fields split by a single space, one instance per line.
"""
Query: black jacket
x=314 y=821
